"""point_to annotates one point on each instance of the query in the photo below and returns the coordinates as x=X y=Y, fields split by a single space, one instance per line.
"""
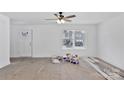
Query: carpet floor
x=44 y=69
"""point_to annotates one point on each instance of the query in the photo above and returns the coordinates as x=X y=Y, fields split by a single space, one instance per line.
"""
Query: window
x=73 y=39
x=68 y=40
x=78 y=39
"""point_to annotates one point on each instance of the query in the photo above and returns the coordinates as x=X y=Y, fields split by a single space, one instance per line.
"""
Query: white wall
x=111 y=41
x=47 y=39
x=4 y=41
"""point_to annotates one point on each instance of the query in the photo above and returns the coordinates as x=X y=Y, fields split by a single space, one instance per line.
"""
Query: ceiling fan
x=61 y=19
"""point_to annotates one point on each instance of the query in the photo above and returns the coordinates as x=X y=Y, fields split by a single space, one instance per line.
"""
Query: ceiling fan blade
x=56 y=15
x=71 y=16
x=67 y=20
x=50 y=19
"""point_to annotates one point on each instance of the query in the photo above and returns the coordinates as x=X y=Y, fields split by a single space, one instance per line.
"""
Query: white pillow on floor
x=55 y=61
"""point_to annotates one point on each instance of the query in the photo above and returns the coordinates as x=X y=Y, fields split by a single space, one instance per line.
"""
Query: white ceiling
x=39 y=17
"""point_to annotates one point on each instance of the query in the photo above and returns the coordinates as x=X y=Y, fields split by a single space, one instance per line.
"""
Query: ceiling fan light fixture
x=60 y=21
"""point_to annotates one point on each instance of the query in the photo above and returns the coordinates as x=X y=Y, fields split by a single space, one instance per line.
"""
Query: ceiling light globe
x=62 y=21
x=58 y=21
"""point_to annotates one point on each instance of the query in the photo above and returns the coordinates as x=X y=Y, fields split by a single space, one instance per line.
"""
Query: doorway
x=25 y=43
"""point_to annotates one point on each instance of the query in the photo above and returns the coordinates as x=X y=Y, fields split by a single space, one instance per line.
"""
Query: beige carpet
x=43 y=69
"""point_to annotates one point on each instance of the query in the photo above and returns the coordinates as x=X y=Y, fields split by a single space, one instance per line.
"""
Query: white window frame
x=73 y=38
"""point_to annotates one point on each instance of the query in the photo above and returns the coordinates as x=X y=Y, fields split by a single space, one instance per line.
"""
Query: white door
x=25 y=43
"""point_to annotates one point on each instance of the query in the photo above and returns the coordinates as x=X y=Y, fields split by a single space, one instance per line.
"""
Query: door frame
x=31 y=43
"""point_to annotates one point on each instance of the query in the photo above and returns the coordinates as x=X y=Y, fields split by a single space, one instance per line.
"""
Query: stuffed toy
x=67 y=58
x=75 y=59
